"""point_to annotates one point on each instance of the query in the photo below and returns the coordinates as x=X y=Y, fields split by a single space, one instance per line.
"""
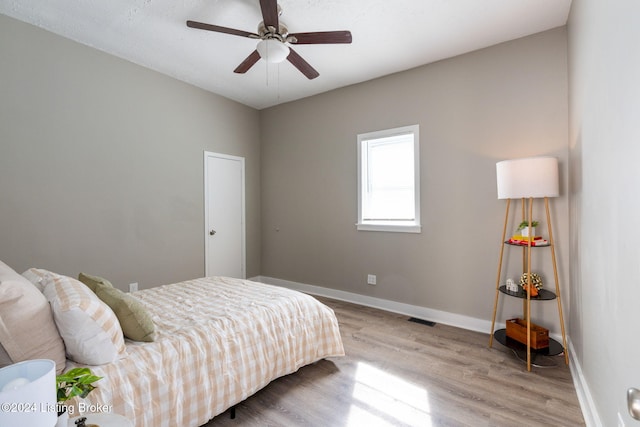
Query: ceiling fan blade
x=322 y=37
x=302 y=65
x=219 y=29
x=247 y=63
x=269 y=13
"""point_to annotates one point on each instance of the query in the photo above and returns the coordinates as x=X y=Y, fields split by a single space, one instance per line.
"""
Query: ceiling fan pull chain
x=266 y=73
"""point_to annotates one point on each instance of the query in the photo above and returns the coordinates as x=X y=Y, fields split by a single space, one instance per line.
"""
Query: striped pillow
x=35 y=276
x=89 y=328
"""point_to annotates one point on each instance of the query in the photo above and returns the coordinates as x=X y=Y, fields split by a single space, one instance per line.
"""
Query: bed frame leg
x=233 y=412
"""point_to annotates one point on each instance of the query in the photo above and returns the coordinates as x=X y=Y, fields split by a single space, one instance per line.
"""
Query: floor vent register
x=422 y=322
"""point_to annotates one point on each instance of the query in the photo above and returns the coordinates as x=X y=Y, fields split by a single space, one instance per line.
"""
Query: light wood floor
x=400 y=373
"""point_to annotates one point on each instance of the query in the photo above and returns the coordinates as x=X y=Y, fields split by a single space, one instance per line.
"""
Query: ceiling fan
x=275 y=40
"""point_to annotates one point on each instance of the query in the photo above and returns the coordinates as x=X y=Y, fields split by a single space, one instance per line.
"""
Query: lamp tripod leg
x=495 y=302
x=555 y=275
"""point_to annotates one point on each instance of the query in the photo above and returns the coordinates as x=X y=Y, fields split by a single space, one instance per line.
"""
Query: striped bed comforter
x=218 y=341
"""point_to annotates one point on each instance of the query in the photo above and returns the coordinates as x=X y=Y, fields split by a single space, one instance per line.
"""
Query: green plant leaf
x=525 y=224
x=75 y=382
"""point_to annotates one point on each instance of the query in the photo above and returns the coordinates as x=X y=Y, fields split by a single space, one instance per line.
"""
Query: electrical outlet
x=371 y=279
x=133 y=287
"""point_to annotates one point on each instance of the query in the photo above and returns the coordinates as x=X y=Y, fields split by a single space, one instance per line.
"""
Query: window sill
x=390 y=227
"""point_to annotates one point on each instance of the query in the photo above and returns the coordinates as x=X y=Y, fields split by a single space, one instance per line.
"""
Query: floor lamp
x=527 y=179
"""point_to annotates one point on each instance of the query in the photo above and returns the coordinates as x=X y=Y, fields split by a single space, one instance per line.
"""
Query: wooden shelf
x=522 y=351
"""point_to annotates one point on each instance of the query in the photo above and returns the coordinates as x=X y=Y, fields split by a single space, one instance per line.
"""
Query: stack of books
x=517 y=239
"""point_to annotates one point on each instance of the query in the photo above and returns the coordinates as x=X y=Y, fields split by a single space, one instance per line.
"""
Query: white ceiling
x=388 y=36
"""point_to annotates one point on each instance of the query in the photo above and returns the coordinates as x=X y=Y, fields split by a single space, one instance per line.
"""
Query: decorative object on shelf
x=511 y=285
x=527 y=179
x=524 y=241
x=517 y=330
x=525 y=230
x=536 y=281
x=525 y=234
x=27 y=394
x=530 y=289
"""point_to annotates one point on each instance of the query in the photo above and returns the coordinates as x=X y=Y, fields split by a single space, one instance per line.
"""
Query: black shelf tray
x=526 y=246
x=554 y=349
x=543 y=294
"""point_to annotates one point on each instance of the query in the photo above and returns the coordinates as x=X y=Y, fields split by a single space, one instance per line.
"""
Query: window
x=389 y=180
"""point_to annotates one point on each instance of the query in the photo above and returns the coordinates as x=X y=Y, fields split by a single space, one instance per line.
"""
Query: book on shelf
x=517 y=239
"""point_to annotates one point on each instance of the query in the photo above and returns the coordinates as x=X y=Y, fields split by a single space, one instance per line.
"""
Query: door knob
x=212 y=232
x=633 y=401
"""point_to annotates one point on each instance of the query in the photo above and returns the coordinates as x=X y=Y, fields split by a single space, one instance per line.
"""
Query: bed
x=217 y=341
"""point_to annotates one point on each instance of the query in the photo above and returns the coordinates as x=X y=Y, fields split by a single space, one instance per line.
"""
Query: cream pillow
x=89 y=328
x=27 y=327
x=133 y=316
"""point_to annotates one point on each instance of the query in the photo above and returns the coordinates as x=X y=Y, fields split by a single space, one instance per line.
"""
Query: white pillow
x=89 y=328
x=35 y=276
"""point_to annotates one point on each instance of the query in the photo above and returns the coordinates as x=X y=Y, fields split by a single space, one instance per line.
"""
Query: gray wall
x=101 y=171
x=101 y=162
x=604 y=205
x=503 y=102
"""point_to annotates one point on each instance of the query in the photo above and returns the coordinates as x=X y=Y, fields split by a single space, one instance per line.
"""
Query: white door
x=224 y=215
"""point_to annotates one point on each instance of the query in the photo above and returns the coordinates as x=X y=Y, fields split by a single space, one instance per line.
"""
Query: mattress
x=218 y=341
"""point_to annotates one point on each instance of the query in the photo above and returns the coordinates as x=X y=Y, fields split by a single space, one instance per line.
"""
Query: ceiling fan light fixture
x=272 y=50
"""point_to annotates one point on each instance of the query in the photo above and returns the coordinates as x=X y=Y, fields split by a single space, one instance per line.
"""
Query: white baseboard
x=452 y=319
x=587 y=405
x=589 y=410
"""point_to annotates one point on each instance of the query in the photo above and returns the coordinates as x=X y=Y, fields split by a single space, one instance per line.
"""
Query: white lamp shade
x=32 y=403
x=272 y=50
x=529 y=177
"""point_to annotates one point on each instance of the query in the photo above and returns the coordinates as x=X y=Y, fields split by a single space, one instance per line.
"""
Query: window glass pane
x=390 y=179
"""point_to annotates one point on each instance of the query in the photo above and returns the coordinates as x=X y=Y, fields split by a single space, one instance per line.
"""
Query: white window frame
x=381 y=225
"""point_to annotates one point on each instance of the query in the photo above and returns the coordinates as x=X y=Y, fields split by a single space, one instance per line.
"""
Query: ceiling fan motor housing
x=282 y=34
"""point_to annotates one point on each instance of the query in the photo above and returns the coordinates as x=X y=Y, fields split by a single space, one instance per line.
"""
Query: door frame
x=207 y=155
